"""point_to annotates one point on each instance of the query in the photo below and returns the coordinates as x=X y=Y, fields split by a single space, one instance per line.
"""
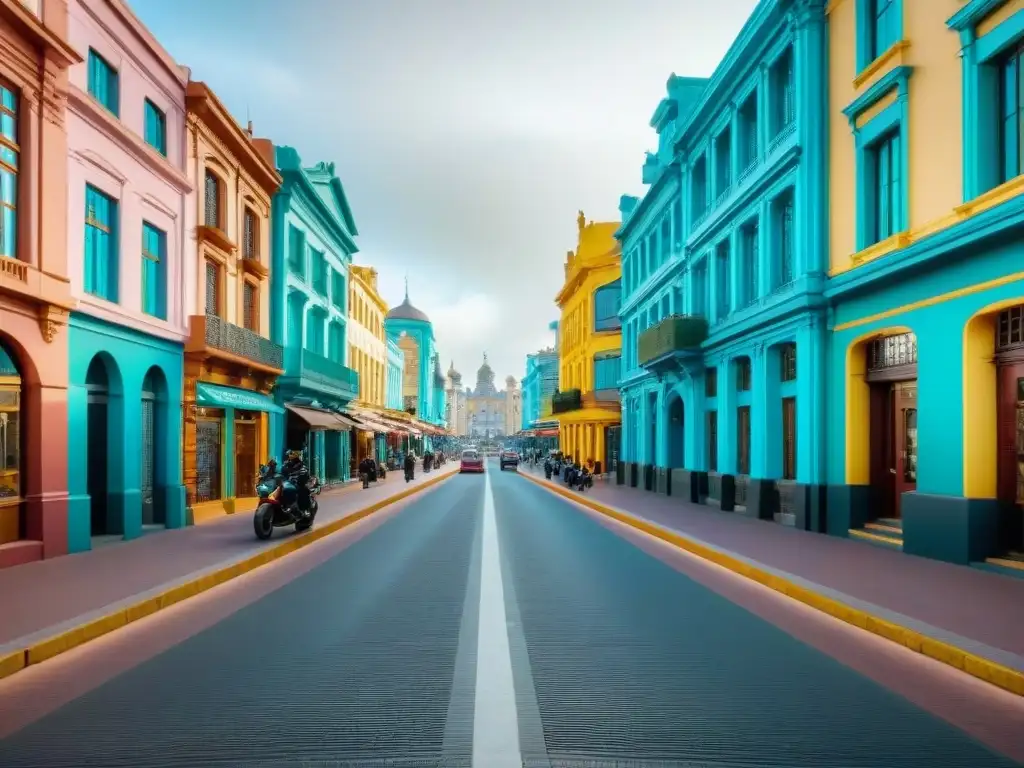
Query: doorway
x=676 y=435
x=97 y=387
x=1010 y=466
x=246 y=453
x=148 y=458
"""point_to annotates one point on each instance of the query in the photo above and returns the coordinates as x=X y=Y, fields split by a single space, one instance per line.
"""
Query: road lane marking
x=495 y=721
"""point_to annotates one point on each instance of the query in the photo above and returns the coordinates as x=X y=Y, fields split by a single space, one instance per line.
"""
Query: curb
x=15 y=661
x=1003 y=677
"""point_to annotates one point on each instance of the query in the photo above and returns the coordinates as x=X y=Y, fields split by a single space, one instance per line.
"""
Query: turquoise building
x=538 y=385
x=313 y=243
x=724 y=268
x=393 y=384
x=413 y=334
x=124 y=411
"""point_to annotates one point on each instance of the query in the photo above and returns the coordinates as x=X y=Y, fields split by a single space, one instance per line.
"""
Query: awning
x=368 y=424
x=348 y=421
x=219 y=396
x=318 y=419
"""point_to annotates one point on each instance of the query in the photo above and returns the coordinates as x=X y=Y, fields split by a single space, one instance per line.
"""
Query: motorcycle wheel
x=263 y=521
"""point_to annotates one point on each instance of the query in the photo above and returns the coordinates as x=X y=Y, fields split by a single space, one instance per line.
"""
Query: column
x=727 y=418
x=811 y=414
x=811 y=91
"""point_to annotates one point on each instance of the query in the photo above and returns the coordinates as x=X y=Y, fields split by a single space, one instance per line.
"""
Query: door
x=148 y=459
x=1010 y=466
x=246 y=459
x=612 y=438
x=96 y=424
x=208 y=458
x=904 y=410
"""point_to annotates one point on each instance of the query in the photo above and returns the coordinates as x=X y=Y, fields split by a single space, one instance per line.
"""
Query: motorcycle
x=279 y=504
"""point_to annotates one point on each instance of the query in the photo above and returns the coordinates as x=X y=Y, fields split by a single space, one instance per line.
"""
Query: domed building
x=456 y=415
x=488 y=408
x=411 y=329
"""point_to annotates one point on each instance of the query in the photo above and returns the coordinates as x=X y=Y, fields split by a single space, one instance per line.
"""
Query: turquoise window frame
x=980 y=57
x=154 y=271
x=101 y=244
x=104 y=83
x=9 y=168
x=607 y=370
x=867 y=52
x=895 y=117
x=155 y=127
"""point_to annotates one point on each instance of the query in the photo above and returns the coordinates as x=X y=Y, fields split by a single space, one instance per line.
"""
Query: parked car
x=509 y=459
x=471 y=462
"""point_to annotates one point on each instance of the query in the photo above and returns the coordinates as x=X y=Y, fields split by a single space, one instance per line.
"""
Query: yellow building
x=367 y=354
x=587 y=402
x=926 y=387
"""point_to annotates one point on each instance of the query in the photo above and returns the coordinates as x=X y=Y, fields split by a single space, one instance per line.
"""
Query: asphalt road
x=489 y=624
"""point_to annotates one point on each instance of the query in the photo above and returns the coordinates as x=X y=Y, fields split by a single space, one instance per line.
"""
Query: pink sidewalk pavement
x=975 y=610
x=42 y=598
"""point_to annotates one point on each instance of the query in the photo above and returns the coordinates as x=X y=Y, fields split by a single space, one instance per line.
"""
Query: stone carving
x=581 y=222
x=51 y=319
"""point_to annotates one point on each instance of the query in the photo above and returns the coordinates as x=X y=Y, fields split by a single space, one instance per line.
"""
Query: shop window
x=154 y=271
x=743 y=440
x=213 y=194
x=10 y=433
x=103 y=82
x=9 y=165
x=155 y=127
x=789 y=438
x=101 y=267
x=712 y=440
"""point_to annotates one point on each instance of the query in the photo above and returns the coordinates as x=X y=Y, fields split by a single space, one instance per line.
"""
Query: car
x=509 y=459
x=471 y=461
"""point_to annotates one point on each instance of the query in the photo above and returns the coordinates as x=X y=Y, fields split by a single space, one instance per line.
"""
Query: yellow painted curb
x=16 y=661
x=1004 y=677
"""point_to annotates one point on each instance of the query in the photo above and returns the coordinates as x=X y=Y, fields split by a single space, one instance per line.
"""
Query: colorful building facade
x=725 y=278
x=129 y=238
x=35 y=297
x=411 y=330
x=230 y=363
x=926 y=374
x=586 y=405
x=314 y=233
x=393 y=386
x=538 y=386
x=367 y=356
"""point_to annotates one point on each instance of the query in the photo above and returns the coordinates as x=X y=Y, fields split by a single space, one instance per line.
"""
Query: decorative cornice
x=973 y=12
x=898 y=77
x=31 y=27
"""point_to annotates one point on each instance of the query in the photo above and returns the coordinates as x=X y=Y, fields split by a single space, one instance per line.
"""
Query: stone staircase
x=883 y=532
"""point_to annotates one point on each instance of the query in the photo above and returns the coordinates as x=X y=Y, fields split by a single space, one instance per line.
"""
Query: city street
x=488 y=622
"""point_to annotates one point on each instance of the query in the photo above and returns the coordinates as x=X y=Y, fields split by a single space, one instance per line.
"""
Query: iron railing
x=222 y=335
x=676 y=333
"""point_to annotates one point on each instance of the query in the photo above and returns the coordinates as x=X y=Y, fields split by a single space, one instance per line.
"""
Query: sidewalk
x=979 y=612
x=46 y=598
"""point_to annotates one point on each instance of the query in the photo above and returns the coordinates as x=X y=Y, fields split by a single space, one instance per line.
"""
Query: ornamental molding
x=51 y=319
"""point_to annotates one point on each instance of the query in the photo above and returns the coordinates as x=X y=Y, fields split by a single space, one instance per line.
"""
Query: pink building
x=130 y=230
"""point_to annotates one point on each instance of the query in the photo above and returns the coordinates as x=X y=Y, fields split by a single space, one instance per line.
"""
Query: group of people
x=371 y=470
x=575 y=475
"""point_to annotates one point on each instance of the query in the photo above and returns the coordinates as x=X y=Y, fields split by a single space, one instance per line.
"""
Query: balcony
x=564 y=402
x=326 y=380
x=675 y=340
x=216 y=337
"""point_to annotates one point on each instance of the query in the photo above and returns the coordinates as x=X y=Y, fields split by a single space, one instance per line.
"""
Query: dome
x=406 y=311
x=452 y=373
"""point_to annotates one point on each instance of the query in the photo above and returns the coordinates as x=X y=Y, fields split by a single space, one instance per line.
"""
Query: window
x=677 y=223
x=251 y=306
x=884 y=27
x=156 y=128
x=699 y=300
x=748 y=132
x=712 y=440
x=666 y=238
x=723 y=162
x=9 y=152
x=212 y=200
x=607 y=369
x=607 y=300
x=297 y=251
x=154 y=275
x=711 y=382
x=788 y=359
x=885 y=168
x=319 y=272
x=743 y=374
x=336 y=343
x=1011 y=111
x=722 y=278
x=338 y=290
x=213 y=289
x=743 y=440
x=783 y=104
x=789 y=438
x=103 y=82
x=250 y=235
x=699 y=188
x=100 y=244
x=749 y=290
x=315 y=330
x=785 y=239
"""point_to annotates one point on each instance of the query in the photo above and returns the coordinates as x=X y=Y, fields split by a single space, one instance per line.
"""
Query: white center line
x=495 y=720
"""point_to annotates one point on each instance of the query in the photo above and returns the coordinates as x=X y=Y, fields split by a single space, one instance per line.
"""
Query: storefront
x=226 y=440
x=324 y=438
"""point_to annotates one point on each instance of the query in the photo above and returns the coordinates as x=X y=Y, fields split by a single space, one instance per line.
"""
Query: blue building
x=724 y=266
x=538 y=385
x=413 y=333
x=313 y=244
x=393 y=383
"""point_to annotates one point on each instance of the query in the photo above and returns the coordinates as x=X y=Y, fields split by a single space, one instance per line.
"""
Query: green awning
x=217 y=396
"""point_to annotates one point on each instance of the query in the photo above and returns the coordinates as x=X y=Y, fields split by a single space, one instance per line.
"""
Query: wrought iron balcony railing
x=326 y=373
x=564 y=402
x=235 y=340
x=674 y=334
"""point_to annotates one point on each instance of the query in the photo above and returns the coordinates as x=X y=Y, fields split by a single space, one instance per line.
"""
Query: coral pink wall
x=109 y=153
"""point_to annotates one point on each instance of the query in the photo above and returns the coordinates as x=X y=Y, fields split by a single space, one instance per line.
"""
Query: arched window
x=212 y=200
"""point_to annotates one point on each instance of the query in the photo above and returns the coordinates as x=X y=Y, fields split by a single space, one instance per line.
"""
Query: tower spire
x=406 y=287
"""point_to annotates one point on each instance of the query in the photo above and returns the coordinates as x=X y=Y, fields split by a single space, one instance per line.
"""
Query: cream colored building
x=513 y=406
x=367 y=343
x=457 y=416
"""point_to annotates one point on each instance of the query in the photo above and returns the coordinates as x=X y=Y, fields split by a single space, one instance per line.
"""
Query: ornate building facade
x=456 y=411
x=487 y=408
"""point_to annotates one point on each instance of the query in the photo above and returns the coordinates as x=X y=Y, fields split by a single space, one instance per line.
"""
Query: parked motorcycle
x=279 y=504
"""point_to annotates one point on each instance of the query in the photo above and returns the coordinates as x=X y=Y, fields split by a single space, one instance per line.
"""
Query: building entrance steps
x=974 y=611
x=48 y=599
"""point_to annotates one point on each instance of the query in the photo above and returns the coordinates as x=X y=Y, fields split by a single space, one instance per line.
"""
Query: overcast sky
x=467 y=133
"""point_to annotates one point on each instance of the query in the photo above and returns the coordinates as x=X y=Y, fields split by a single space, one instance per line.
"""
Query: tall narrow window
x=677 y=223
x=743 y=374
x=748 y=126
x=712 y=440
x=886 y=156
x=101 y=267
x=699 y=188
x=711 y=382
x=786 y=245
x=783 y=104
x=743 y=440
x=750 y=291
x=155 y=127
x=883 y=26
x=723 y=162
x=250 y=235
x=212 y=200
x=251 y=306
x=788 y=362
x=213 y=289
x=297 y=251
x=154 y=275
x=789 y=438
x=699 y=300
x=722 y=278
x=607 y=300
x=1011 y=114
x=9 y=153
x=103 y=82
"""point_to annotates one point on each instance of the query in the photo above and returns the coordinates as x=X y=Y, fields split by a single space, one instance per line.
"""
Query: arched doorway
x=154 y=404
x=1009 y=349
x=11 y=428
x=97 y=387
x=676 y=434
